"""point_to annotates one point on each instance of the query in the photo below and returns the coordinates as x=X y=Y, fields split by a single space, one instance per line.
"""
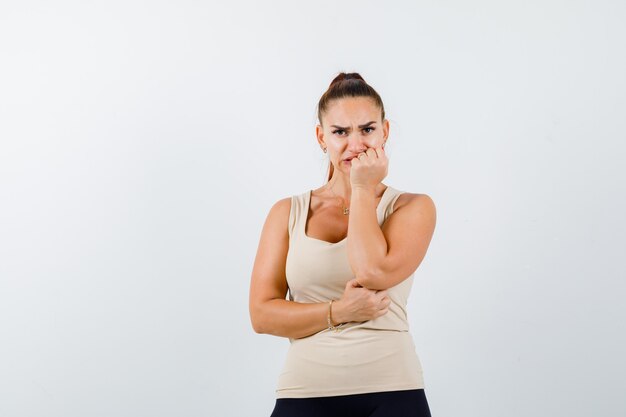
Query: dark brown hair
x=347 y=85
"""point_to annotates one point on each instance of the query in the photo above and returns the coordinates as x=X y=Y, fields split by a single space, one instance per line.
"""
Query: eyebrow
x=361 y=126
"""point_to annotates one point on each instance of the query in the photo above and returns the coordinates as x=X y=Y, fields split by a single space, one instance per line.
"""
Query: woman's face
x=351 y=126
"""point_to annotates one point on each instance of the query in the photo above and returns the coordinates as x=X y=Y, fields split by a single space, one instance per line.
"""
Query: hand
x=370 y=169
x=360 y=304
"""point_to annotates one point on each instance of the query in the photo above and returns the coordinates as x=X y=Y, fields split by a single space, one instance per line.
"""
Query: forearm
x=366 y=244
x=295 y=320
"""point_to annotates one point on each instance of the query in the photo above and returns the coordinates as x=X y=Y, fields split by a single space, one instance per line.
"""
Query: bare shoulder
x=421 y=203
x=282 y=206
x=278 y=216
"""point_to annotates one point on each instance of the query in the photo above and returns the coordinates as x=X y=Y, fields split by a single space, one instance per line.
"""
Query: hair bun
x=353 y=76
x=347 y=76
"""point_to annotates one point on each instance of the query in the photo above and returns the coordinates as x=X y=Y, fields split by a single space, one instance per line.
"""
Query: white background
x=143 y=143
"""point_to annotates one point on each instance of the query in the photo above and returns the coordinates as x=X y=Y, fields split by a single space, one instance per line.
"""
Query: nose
x=355 y=143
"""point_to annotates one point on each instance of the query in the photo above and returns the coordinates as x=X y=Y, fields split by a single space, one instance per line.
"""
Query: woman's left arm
x=382 y=257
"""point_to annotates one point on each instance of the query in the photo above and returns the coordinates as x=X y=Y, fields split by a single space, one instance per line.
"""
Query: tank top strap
x=387 y=203
x=298 y=206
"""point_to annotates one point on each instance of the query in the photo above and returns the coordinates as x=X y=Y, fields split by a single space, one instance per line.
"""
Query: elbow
x=256 y=321
x=371 y=279
x=256 y=326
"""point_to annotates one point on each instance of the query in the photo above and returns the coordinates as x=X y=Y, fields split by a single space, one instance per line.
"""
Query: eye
x=338 y=130
x=369 y=128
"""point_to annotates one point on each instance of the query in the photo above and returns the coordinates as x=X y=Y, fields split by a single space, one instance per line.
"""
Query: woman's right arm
x=270 y=312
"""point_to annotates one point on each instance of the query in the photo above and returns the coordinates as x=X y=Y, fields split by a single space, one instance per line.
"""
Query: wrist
x=364 y=190
x=337 y=313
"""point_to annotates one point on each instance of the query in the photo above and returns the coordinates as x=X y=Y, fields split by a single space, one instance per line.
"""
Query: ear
x=319 y=133
x=385 y=129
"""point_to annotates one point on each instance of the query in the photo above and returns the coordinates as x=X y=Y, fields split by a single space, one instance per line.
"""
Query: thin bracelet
x=329 y=318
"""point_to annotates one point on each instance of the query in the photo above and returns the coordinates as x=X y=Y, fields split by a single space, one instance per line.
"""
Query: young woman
x=347 y=252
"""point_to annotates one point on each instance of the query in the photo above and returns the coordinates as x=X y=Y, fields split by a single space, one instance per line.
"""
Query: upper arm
x=268 y=279
x=408 y=232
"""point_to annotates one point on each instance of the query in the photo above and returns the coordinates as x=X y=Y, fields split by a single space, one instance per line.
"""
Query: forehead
x=352 y=110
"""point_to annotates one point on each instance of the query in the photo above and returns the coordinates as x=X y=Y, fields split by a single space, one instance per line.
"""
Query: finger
x=354 y=283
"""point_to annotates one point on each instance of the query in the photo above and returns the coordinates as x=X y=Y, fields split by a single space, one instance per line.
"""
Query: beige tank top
x=372 y=356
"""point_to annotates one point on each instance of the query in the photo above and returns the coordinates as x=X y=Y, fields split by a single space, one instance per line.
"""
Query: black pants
x=405 y=403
